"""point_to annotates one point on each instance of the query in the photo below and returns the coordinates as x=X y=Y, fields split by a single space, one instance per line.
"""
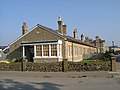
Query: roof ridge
x=79 y=41
x=40 y=26
x=22 y=35
x=51 y=30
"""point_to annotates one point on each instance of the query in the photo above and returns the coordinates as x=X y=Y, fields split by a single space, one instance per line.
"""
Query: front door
x=30 y=53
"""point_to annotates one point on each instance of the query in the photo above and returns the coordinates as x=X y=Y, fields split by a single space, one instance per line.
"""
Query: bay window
x=49 y=50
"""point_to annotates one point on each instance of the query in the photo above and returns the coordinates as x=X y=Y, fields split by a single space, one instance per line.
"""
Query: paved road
x=59 y=81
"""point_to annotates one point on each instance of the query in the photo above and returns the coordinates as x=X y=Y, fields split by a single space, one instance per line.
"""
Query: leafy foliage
x=18 y=60
x=107 y=56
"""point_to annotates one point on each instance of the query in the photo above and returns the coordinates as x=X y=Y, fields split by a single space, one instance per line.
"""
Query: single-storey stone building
x=45 y=44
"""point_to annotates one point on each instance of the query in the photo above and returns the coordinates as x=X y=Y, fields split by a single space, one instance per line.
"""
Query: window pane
x=54 y=50
x=45 y=50
x=38 y=50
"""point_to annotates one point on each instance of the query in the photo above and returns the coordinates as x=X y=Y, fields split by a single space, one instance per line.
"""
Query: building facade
x=42 y=44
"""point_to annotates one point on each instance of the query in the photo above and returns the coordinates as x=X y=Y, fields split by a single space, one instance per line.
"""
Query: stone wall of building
x=76 y=52
x=45 y=60
x=36 y=34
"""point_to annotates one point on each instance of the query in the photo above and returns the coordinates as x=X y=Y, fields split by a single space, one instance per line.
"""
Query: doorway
x=30 y=53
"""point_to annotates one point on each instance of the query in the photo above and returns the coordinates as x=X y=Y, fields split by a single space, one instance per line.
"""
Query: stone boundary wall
x=10 y=67
x=90 y=66
x=44 y=67
x=64 y=66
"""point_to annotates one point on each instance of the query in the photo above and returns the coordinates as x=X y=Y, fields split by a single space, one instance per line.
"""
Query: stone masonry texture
x=64 y=66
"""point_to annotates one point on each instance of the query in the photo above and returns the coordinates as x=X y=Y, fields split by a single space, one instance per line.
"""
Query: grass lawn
x=90 y=60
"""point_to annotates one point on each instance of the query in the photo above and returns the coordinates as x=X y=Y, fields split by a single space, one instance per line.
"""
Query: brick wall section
x=64 y=66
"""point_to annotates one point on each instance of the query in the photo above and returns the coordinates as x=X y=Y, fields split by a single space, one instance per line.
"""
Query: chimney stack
x=91 y=41
x=64 y=29
x=24 y=28
x=75 y=32
x=97 y=38
x=86 y=39
x=82 y=37
x=60 y=25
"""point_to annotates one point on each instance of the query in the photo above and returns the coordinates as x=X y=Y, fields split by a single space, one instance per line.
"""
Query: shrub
x=4 y=61
x=18 y=60
x=107 y=56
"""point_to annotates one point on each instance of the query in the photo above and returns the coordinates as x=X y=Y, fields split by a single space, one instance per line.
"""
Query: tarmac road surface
x=58 y=81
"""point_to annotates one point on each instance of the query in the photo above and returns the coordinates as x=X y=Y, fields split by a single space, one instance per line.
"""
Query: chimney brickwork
x=75 y=32
x=24 y=28
x=82 y=37
x=64 y=29
x=61 y=26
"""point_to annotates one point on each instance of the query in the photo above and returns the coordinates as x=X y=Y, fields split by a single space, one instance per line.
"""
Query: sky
x=91 y=17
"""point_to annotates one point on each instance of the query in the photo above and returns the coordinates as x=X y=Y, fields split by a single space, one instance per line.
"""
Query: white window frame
x=59 y=52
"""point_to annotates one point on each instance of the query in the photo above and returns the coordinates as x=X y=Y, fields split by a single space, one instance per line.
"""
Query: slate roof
x=65 y=37
x=114 y=47
x=69 y=38
x=3 y=47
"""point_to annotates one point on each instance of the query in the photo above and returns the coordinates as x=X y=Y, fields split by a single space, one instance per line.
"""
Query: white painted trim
x=23 y=51
x=49 y=50
x=57 y=42
x=38 y=44
x=5 y=48
x=42 y=50
x=34 y=50
x=60 y=47
x=57 y=50
x=47 y=57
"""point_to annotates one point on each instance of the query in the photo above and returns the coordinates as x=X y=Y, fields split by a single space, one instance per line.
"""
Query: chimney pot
x=60 y=25
x=59 y=18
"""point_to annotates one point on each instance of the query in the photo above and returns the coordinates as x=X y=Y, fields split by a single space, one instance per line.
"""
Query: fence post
x=23 y=65
x=65 y=65
x=113 y=63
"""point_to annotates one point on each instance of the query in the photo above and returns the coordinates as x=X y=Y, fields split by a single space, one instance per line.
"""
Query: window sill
x=48 y=57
